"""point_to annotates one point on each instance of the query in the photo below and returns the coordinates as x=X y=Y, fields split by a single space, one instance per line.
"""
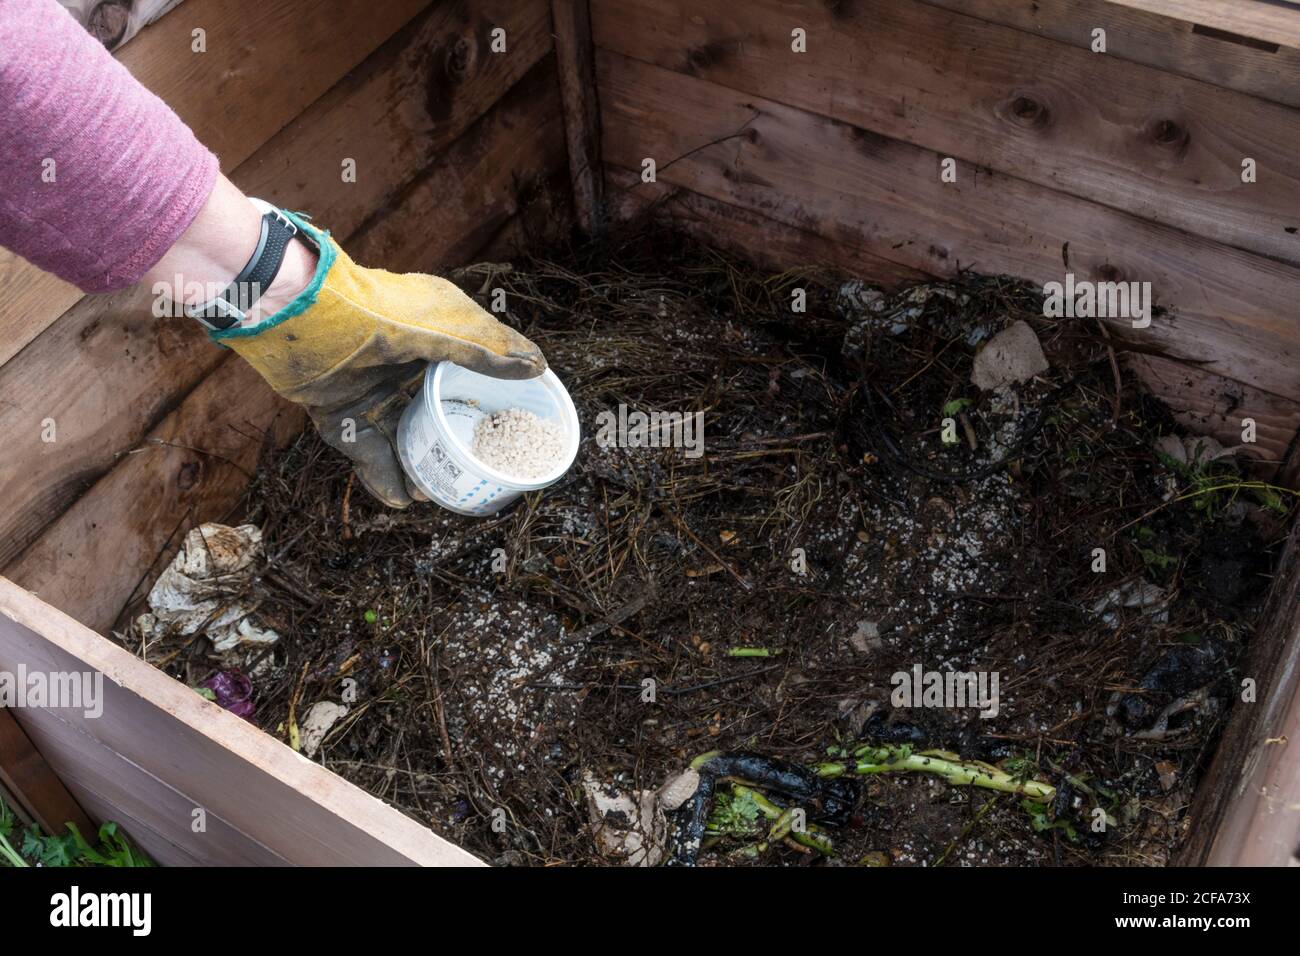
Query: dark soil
x=589 y=630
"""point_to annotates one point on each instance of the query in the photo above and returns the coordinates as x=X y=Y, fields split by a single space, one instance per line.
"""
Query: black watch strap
x=231 y=306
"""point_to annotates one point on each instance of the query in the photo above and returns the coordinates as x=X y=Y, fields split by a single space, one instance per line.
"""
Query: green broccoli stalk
x=782 y=821
x=889 y=759
x=8 y=855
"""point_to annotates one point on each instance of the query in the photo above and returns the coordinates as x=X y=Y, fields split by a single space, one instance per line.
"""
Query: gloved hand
x=346 y=346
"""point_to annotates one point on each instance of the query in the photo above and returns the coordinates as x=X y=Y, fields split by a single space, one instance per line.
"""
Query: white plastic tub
x=435 y=437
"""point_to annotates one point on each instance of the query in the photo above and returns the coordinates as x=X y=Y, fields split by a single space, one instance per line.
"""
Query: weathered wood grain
x=769 y=243
x=1264 y=20
x=1231 y=310
x=1224 y=59
x=461 y=200
x=29 y=779
x=1143 y=141
x=398 y=112
x=189 y=469
x=576 y=57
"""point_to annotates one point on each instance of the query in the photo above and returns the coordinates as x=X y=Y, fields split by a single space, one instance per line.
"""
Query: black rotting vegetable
x=1178 y=671
x=826 y=801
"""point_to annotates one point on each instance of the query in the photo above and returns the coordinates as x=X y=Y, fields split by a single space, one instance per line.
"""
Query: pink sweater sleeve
x=100 y=177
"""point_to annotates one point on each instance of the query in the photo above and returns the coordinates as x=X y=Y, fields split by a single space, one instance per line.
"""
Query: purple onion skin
x=234 y=692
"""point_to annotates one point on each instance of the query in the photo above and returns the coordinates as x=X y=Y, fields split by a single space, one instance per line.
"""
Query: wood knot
x=1027 y=112
x=462 y=54
x=188 y=475
x=1171 y=135
x=1109 y=273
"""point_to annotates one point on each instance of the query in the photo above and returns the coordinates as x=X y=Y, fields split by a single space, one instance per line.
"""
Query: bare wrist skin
x=217 y=245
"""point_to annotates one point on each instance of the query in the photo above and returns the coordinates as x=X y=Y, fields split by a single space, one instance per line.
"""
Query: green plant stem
x=955 y=771
x=1239 y=486
x=808 y=838
x=10 y=854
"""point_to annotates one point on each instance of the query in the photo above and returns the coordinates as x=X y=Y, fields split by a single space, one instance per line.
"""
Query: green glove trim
x=304 y=300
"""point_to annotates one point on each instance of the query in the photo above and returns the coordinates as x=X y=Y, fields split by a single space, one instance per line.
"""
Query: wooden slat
x=1208 y=404
x=399 y=112
x=769 y=243
x=263 y=801
x=103 y=375
x=1238 y=63
x=29 y=778
x=1260 y=19
x=1247 y=809
x=107 y=371
x=151 y=812
x=190 y=469
x=576 y=58
x=462 y=200
x=232 y=107
x=1232 y=309
x=1152 y=144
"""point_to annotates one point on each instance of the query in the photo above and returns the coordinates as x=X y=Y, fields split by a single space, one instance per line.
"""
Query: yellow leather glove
x=346 y=346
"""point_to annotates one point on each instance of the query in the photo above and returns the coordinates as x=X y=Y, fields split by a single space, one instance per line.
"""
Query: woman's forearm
x=101 y=178
x=213 y=250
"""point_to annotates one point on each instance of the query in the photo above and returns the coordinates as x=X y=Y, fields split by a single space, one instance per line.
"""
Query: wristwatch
x=230 y=308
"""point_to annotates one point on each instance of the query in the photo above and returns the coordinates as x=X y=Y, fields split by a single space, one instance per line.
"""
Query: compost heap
x=535 y=686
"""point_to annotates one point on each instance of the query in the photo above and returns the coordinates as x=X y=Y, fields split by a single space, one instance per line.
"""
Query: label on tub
x=446 y=481
x=437 y=469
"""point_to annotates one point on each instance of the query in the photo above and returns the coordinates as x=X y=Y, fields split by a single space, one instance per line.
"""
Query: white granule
x=518 y=443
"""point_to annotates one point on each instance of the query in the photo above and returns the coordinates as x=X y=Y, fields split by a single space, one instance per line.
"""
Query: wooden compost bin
x=1122 y=165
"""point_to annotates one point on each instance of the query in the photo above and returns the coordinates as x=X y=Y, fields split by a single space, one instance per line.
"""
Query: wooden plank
x=395 y=115
x=192 y=467
x=108 y=371
x=576 y=57
x=771 y=244
x=148 y=809
x=545 y=219
x=1247 y=809
x=1143 y=141
x=232 y=107
x=1269 y=21
x=461 y=200
x=1211 y=55
x=27 y=777
x=1208 y=404
x=1230 y=309
x=86 y=390
x=29 y=301
x=276 y=798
